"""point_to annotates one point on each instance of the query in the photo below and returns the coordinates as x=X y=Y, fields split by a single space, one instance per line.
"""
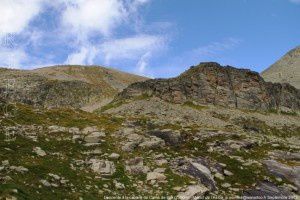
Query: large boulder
x=291 y=173
x=103 y=167
x=193 y=192
x=267 y=190
x=169 y=136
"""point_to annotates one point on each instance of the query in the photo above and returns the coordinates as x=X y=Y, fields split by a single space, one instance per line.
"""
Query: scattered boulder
x=114 y=156
x=136 y=166
x=197 y=168
x=286 y=155
x=193 y=192
x=291 y=173
x=119 y=186
x=94 y=137
x=169 y=136
x=267 y=190
x=20 y=169
x=39 y=151
x=102 y=167
x=89 y=129
x=152 y=143
x=159 y=177
x=57 y=129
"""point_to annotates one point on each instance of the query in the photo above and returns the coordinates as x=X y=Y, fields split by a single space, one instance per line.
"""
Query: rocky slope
x=155 y=141
x=285 y=70
x=72 y=86
x=211 y=83
x=147 y=148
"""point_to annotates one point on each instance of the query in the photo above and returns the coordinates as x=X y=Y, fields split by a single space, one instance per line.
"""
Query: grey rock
x=102 y=167
x=136 y=166
x=291 y=173
x=39 y=151
x=159 y=177
x=193 y=191
x=169 y=136
x=267 y=190
x=152 y=143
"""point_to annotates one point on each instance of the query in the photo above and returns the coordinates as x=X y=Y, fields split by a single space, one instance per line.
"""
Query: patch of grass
x=110 y=106
x=194 y=106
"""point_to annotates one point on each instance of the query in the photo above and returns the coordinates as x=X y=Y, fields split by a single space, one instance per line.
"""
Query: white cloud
x=132 y=47
x=143 y=64
x=85 y=55
x=86 y=16
x=17 y=14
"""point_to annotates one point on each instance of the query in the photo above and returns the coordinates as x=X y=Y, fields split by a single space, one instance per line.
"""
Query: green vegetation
x=194 y=106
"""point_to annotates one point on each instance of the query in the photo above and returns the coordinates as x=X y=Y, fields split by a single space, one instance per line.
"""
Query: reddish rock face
x=211 y=83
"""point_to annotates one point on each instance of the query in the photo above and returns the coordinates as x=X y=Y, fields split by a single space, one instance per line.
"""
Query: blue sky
x=155 y=38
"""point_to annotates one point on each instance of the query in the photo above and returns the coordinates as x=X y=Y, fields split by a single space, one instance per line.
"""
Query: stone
x=20 y=169
x=219 y=176
x=160 y=170
x=94 y=137
x=114 y=156
x=5 y=162
x=39 y=151
x=153 y=143
x=45 y=183
x=156 y=176
x=74 y=131
x=136 y=166
x=102 y=167
x=119 y=186
x=55 y=176
x=57 y=129
x=226 y=185
x=161 y=162
x=89 y=129
x=227 y=173
x=197 y=168
x=192 y=192
x=291 y=173
x=268 y=189
x=129 y=146
x=169 y=136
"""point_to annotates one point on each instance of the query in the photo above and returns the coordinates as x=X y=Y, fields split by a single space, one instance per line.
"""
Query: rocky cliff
x=211 y=83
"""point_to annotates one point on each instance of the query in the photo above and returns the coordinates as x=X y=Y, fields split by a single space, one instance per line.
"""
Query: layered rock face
x=211 y=83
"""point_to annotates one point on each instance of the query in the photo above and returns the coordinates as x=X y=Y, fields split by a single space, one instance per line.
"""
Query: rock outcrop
x=211 y=83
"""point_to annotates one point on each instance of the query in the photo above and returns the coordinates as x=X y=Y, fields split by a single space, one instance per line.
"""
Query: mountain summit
x=285 y=70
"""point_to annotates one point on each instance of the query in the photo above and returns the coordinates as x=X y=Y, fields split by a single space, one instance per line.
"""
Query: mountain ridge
x=211 y=83
x=70 y=86
x=286 y=69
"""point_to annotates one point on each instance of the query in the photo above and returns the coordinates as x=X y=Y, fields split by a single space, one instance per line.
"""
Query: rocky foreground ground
x=148 y=148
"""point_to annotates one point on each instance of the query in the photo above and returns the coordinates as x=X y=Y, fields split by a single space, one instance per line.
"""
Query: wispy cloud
x=216 y=48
